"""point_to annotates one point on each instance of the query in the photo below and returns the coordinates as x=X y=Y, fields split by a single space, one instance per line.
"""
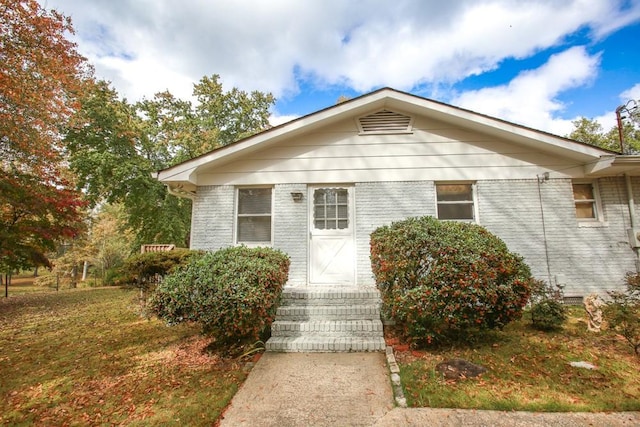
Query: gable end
x=385 y=121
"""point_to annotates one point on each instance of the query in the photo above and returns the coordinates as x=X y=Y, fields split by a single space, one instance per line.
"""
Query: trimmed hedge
x=441 y=278
x=232 y=293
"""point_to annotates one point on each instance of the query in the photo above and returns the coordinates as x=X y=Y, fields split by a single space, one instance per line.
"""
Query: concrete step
x=325 y=344
x=328 y=318
x=329 y=312
x=327 y=328
x=330 y=296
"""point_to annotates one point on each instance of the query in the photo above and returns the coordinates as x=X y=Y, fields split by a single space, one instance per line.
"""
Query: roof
x=183 y=176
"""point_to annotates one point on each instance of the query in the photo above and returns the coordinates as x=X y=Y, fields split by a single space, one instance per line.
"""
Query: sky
x=539 y=63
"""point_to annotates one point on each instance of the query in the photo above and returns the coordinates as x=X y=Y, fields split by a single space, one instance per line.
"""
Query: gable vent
x=385 y=121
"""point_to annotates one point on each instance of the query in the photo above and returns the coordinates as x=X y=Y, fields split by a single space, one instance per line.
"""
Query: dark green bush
x=145 y=270
x=232 y=293
x=442 y=279
x=548 y=311
x=622 y=311
x=548 y=315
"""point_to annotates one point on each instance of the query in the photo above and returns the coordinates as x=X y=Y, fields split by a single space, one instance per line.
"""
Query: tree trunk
x=85 y=270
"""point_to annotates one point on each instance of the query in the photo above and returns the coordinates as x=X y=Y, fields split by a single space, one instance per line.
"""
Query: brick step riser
x=327 y=317
x=328 y=313
x=329 y=326
x=300 y=302
x=349 y=328
x=318 y=334
x=290 y=344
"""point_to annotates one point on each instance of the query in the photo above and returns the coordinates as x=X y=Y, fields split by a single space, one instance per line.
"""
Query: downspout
x=632 y=215
x=541 y=179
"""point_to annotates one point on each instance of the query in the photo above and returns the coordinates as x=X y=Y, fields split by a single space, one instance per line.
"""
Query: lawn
x=84 y=357
x=529 y=370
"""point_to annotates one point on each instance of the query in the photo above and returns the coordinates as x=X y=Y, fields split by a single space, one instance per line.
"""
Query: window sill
x=255 y=244
x=592 y=224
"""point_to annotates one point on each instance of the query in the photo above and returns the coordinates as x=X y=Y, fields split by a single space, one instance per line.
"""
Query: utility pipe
x=632 y=215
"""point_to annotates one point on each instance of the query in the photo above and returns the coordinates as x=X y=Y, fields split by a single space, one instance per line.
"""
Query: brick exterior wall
x=381 y=203
x=584 y=258
x=212 y=218
x=291 y=230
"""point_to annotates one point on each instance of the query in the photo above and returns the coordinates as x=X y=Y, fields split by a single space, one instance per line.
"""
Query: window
x=331 y=209
x=254 y=216
x=585 y=199
x=455 y=202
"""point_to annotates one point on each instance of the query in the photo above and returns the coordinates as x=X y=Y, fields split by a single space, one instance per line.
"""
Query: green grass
x=529 y=370
x=84 y=357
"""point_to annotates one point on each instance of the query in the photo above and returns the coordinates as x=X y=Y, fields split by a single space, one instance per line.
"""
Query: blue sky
x=540 y=63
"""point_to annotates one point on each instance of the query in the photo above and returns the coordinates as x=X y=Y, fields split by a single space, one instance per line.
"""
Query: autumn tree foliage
x=41 y=77
x=115 y=147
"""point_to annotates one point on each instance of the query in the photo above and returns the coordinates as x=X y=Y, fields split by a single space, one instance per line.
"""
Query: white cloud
x=531 y=97
x=150 y=45
x=631 y=93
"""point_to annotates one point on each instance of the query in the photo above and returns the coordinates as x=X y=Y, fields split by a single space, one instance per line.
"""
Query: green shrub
x=622 y=311
x=548 y=315
x=442 y=279
x=548 y=311
x=115 y=277
x=232 y=293
x=145 y=270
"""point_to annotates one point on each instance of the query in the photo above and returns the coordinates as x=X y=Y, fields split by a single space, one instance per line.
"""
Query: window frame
x=237 y=216
x=337 y=218
x=595 y=202
x=473 y=202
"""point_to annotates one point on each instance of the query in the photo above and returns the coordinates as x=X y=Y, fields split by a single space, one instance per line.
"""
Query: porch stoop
x=327 y=319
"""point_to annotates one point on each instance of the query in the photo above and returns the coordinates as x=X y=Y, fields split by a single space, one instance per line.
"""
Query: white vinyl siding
x=254 y=215
x=433 y=151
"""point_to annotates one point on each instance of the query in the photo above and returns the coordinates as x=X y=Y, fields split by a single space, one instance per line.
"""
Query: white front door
x=332 y=247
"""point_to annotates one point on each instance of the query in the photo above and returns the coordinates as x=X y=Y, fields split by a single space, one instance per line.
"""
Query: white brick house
x=316 y=188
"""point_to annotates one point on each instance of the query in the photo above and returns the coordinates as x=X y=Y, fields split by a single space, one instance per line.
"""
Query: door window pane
x=331 y=208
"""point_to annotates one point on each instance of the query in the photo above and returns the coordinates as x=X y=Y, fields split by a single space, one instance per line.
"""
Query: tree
x=41 y=77
x=114 y=158
x=115 y=154
x=591 y=132
x=231 y=115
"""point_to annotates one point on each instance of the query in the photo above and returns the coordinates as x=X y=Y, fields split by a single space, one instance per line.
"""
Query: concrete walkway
x=313 y=389
x=354 y=389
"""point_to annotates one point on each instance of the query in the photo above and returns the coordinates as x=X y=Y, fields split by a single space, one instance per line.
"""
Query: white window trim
x=598 y=221
x=474 y=194
x=236 y=216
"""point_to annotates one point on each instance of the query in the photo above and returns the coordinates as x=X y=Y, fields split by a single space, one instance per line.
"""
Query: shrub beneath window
x=232 y=293
x=441 y=280
x=622 y=312
x=548 y=311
